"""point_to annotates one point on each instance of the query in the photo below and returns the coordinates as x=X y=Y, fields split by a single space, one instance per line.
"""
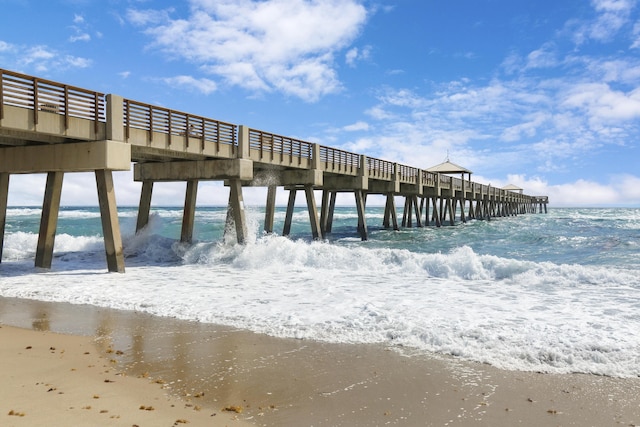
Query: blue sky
x=541 y=94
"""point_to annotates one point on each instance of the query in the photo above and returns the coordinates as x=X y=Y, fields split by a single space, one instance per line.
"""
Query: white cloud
x=636 y=36
x=528 y=129
x=619 y=190
x=6 y=47
x=83 y=37
x=42 y=59
x=283 y=45
x=354 y=54
x=544 y=57
x=204 y=86
x=611 y=16
x=358 y=126
x=603 y=104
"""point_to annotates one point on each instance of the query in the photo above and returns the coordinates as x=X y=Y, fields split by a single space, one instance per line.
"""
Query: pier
x=54 y=128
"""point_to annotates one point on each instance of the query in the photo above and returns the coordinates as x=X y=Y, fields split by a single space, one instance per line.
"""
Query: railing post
x=115 y=118
x=363 y=171
x=315 y=156
x=243 y=142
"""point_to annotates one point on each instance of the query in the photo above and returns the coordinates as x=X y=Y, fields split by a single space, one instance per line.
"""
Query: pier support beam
x=236 y=210
x=435 y=216
x=269 y=213
x=362 y=221
x=145 y=205
x=49 y=219
x=316 y=230
x=4 y=195
x=189 y=213
x=390 y=214
x=324 y=211
x=332 y=209
x=110 y=225
x=313 y=213
x=288 y=218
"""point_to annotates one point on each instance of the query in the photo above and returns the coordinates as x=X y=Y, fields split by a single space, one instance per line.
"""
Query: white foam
x=513 y=314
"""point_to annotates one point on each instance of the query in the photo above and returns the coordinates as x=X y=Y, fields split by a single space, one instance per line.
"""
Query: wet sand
x=188 y=371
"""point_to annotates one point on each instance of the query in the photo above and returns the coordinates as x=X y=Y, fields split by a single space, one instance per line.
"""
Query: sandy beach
x=66 y=364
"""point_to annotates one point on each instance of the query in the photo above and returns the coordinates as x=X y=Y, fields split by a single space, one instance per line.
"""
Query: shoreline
x=287 y=382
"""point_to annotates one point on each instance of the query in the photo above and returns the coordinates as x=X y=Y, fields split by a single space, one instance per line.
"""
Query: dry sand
x=50 y=379
x=190 y=371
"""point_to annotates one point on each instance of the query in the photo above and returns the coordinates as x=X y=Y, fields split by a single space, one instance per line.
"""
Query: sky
x=541 y=94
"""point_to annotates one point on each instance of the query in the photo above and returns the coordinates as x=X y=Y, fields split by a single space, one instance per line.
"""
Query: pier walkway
x=53 y=128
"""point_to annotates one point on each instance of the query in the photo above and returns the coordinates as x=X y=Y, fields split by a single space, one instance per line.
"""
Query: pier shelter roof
x=512 y=187
x=447 y=167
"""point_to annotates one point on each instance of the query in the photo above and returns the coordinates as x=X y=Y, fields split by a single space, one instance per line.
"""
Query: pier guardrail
x=20 y=90
x=380 y=169
x=339 y=161
x=159 y=120
x=284 y=149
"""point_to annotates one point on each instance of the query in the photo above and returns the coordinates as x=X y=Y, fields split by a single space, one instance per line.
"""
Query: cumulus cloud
x=636 y=36
x=6 y=47
x=611 y=16
x=354 y=55
x=358 y=126
x=42 y=58
x=79 y=29
x=205 y=86
x=277 y=45
x=602 y=104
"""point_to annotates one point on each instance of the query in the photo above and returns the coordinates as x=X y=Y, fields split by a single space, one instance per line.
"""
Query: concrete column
x=189 y=213
x=236 y=202
x=390 y=213
x=364 y=166
x=436 y=215
x=115 y=118
x=288 y=218
x=315 y=156
x=145 y=205
x=332 y=209
x=49 y=219
x=313 y=213
x=406 y=213
x=424 y=205
x=417 y=211
x=324 y=211
x=110 y=225
x=243 y=142
x=463 y=216
x=270 y=209
x=362 y=221
x=4 y=195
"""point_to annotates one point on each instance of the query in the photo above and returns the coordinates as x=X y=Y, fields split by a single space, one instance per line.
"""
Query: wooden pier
x=53 y=128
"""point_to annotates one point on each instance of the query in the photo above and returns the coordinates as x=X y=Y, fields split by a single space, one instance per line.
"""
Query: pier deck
x=53 y=128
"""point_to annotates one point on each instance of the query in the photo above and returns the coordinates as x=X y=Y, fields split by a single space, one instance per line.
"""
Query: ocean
x=556 y=292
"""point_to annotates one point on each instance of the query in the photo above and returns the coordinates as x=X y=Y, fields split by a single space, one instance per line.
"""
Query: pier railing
x=339 y=161
x=280 y=149
x=381 y=169
x=41 y=95
x=167 y=124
